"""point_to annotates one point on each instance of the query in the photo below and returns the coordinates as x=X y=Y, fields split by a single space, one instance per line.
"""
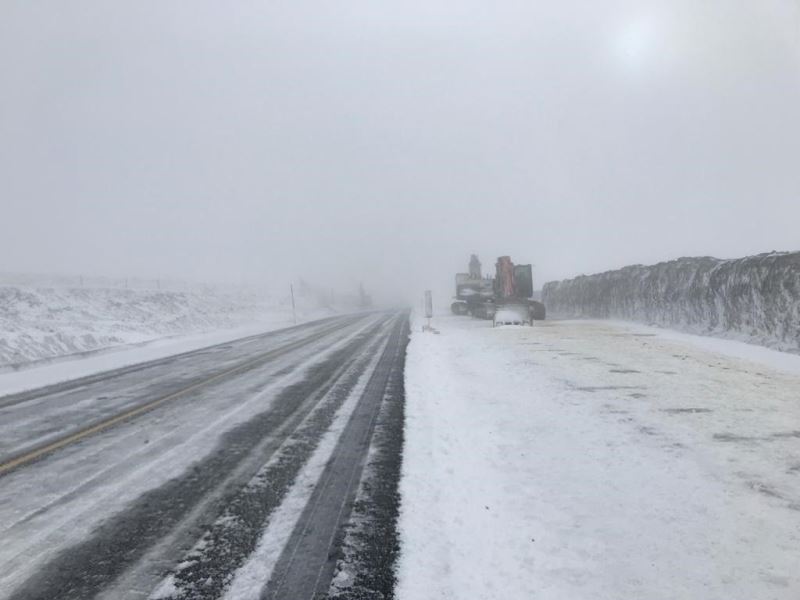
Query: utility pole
x=294 y=311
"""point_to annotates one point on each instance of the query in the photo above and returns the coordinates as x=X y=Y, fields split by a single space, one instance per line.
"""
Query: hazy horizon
x=385 y=143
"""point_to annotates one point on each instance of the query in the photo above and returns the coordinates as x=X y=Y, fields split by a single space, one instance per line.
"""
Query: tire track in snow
x=86 y=569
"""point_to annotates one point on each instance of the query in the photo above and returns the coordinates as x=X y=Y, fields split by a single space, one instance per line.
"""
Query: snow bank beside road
x=754 y=299
x=580 y=460
x=41 y=323
x=40 y=375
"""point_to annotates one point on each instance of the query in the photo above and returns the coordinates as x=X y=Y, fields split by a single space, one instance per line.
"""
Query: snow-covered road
x=595 y=460
x=194 y=480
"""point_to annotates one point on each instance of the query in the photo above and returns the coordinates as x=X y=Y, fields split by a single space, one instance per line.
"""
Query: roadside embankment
x=46 y=322
x=754 y=299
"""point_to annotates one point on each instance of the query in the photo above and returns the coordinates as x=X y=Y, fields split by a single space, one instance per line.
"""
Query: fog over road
x=174 y=171
x=173 y=468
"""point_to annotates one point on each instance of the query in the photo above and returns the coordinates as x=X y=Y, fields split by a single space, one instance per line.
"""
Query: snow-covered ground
x=41 y=322
x=75 y=367
x=580 y=459
x=51 y=334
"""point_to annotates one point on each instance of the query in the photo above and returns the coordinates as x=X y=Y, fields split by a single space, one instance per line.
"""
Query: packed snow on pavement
x=591 y=459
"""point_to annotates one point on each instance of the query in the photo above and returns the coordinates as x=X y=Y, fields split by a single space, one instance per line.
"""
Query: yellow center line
x=32 y=455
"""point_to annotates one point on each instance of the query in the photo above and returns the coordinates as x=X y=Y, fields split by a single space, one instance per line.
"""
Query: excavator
x=508 y=295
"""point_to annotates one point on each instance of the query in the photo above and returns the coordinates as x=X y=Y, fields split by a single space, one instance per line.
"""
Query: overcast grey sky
x=385 y=141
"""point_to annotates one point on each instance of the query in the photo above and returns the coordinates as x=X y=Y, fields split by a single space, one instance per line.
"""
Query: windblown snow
x=40 y=321
x=587 y=460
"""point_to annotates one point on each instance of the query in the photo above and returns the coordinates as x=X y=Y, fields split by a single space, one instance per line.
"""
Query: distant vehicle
x=512 y=315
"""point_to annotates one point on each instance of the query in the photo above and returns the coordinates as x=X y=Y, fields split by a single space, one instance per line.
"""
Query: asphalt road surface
x=175 y=478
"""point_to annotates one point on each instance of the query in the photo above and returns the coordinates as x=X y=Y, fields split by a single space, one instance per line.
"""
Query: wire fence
x=132 y=283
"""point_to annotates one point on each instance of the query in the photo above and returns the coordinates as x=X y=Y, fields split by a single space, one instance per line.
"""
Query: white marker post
x=428 y=309
x=294 y=312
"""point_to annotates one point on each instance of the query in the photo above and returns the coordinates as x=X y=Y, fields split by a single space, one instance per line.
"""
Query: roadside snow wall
x=755 y=299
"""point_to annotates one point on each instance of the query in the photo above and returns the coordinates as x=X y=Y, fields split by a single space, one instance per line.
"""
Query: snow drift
x=45 y=322
x=756 y=299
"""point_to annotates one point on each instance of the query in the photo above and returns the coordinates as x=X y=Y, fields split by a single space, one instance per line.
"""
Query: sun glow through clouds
x=637 y=42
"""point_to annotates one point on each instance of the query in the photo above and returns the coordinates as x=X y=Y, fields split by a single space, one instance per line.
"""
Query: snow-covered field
x=42 y=323
x=580 y=459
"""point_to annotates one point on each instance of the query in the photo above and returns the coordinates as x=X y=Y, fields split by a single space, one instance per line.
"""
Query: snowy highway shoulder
x=576 y=460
